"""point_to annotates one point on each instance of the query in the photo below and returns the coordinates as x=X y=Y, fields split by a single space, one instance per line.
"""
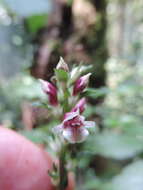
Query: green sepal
x=61 y=75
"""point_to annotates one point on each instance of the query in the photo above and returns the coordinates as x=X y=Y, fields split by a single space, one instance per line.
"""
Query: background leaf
x=114 y=145
x=130 y=178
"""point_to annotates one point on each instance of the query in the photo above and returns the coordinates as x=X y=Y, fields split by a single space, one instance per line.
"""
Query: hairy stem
x=62 y=169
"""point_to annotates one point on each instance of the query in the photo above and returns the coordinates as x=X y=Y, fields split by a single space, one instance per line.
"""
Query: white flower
x=74 y=128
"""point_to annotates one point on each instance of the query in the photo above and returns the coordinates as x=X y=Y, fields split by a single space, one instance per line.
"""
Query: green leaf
x=70 y=2
x=61 y=75
x=35 y=22
x=41 y=105
x=95 y=93
x=114 y=145
x=36 y=136
x=131 y=178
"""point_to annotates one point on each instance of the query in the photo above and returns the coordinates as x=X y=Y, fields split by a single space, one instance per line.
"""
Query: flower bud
x=51 y=91
x=81 y=84
x=62 y=65
x=80 y=106
x=75 y=73
x=78 y=71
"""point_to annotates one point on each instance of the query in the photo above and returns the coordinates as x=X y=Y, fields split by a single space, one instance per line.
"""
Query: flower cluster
x=73 y=128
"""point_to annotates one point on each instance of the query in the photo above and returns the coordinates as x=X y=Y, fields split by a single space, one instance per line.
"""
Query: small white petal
x=85 y=78
x=62 y=65
x=82 y=118
x=58 y=129
x=75 y=135
x=89 y=124
x=84 y=134
x=74 y=72
x=44 y=85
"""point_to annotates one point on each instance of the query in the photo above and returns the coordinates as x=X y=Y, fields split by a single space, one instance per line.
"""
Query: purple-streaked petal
x=70 y=115
x=77 y=135
x=89 y=124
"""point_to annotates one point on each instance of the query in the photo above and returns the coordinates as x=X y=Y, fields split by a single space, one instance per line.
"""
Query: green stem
x=62 y=169
x=63 y=176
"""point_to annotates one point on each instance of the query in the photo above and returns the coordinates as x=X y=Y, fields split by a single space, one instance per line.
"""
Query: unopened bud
x=78 y=71
x=50 y=90
x=80 y=106
x=81 y=84
x=62 y=65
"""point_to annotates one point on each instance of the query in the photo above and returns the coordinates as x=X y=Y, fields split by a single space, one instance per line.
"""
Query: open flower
x=80 y=106
x=74 y=128
x=50 y=90
x=81 y=84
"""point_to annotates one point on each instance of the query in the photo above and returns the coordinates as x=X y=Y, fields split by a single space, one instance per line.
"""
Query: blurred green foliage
x=35 y=22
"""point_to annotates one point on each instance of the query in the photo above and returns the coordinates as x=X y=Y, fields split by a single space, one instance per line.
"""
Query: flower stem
x=63 y=182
